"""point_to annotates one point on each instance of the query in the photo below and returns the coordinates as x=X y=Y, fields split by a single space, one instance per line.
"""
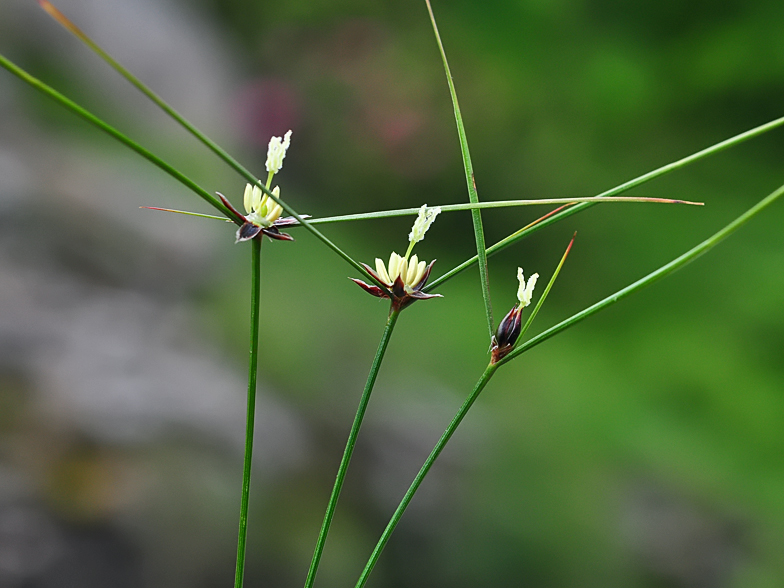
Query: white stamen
x=525 y=290
x=425 y=218
x=276 y=152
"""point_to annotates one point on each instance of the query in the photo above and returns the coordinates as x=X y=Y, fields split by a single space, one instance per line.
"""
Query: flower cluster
x=510 y=326
x=263 y=212
x=261 y=209
x=404 y=277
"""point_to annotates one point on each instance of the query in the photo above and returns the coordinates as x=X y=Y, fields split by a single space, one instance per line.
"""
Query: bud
x=507 y=333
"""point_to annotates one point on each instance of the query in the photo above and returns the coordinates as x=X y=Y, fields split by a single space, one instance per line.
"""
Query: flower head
x=404 y=278
x=525 y=291
x=276 y=152
x=424 y=219
x=263 y=215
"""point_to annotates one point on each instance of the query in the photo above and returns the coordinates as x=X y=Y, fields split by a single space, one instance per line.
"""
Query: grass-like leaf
x=663 y=271
x=114 y=133
x=543 y=297
x=497 y=204
x=563 y=212
x=458 y=207
x=476 y=215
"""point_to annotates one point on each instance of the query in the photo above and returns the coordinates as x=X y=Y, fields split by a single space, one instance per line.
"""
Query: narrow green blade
x=476 y=216
x=543 y=297
x=111 y=131
x=563 y=212
x=663 y=271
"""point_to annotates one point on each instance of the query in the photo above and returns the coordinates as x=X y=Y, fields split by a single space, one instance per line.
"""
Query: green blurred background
x=643 y=448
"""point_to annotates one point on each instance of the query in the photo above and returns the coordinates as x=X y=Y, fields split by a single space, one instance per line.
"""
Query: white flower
x=526 y=290
x=262 y=210
x=276 y=152
x=410 y=271
x=425 y=218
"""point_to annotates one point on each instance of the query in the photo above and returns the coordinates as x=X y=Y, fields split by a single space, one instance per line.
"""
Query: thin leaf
x=663 y=271
x=543 y=297
x=476 y=216
x=114 y=133
x=185 y=212
x=560 y=214
x=498 y=204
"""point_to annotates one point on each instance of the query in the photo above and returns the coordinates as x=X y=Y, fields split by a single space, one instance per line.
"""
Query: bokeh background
x=643 y=448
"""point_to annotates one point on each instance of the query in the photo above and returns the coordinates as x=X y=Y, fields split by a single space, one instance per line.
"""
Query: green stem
x=665 y=169
x=251 y=415
x=496 y=204
x=457 y=207
x=111 y=131
x=665 y=270
x=476 y=215
x=349 y=450
x=562 y=326
x=423 y=472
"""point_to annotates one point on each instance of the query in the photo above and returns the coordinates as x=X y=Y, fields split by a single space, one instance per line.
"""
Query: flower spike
x=424 y=219
x=276 y=152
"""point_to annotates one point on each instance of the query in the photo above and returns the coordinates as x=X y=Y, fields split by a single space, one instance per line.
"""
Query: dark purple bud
x=507 y=333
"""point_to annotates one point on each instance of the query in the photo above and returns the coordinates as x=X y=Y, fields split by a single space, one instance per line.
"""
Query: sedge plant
x=403 y=279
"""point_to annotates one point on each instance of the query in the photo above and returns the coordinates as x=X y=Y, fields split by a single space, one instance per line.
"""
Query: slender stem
x=476 y=215
x=349 y=450
x=665 y=270
x=105 y=127
x=639 y=284
x=423 y=472
x=251 y=415
x=496 y=204
x=456 y=207
x=665 y=169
